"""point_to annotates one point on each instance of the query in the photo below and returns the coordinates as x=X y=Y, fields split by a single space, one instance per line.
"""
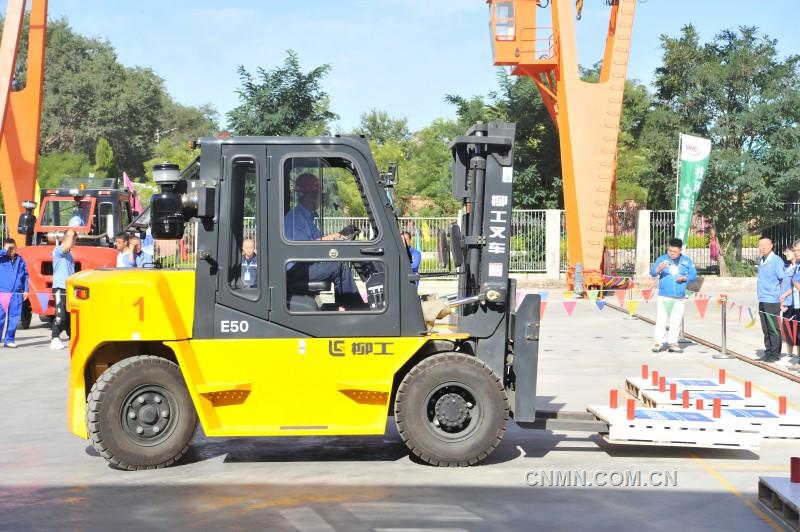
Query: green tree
x=282 y=101
x=379 y=127
x=738 y=92
x=425 y=183
x=104 y=163
x=89 y=94
x=53 y=167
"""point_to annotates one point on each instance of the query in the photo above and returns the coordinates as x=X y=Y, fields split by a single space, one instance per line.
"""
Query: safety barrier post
x=723 y=350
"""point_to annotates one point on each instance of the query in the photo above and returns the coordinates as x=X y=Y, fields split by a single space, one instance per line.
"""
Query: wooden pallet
x=782 y=499
x=769 y=422
x=657 y=399
x=673 y=427
x=635 y=385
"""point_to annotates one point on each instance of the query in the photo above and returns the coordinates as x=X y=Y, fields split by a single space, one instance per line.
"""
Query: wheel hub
x=451 y=410
x=147 y=414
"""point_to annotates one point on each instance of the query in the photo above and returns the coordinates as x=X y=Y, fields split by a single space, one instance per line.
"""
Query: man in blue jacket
x=674 y=272
x=771 y=272
x=413 y=253
x=13 y=288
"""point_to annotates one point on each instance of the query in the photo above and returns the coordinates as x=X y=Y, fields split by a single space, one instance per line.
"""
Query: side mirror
x=457 y=243
x=27 y=220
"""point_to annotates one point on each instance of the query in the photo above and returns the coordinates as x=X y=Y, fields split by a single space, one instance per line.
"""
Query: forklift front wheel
x=139 y=414
x=451 y=410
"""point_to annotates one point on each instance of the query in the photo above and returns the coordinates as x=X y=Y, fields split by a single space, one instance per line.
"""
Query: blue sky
x=399 y=55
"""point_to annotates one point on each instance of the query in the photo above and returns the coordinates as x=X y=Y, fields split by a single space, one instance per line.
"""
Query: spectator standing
x=787 y=299
x=796 y=299
x=771 y=272
x=249 y=264
x=63 y=267
x=413 y=253
x=674 y=272
x=121 y=245
x=14 y=282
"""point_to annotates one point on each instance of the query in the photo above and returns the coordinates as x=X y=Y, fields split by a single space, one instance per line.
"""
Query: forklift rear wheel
x=451 y=410
x=45 y=318
x=139 y=414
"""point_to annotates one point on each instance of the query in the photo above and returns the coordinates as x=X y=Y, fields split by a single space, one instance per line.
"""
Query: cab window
x=324 y=199
x=243 y=274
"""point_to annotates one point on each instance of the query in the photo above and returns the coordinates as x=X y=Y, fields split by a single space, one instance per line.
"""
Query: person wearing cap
x=301 y=224
x=14 y=282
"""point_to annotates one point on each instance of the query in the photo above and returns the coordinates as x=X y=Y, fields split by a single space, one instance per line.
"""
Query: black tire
x=27 y=315
x=159 y=385
x=45 y=318
x=433 y=413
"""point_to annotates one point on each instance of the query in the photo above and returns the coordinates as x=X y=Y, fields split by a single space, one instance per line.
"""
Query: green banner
x=693 y=165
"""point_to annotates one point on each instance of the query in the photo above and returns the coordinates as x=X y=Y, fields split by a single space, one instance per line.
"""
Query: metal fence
x=528 y=235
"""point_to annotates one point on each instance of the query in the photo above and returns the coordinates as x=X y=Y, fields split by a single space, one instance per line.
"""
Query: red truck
x=97 y=209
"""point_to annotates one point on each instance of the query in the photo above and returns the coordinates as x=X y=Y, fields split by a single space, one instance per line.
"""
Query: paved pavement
x=51 y=480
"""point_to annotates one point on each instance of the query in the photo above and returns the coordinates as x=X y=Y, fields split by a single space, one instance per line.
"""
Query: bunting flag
x=647 y=293
x=740 y=313
x=702 y=306
x=631 y=306
x=733 y=304
x=44 y=299
x=771 y=322
x=569 y=306
x=669 y=304
x=593 y=295
x=752 y=318
x=621 y=296
x=5 y=299
x=601 y=304
x=568 y=295
x=791 y=328
x=542 y=306
x=781 y=325
x=689 y=293
x=544 y=295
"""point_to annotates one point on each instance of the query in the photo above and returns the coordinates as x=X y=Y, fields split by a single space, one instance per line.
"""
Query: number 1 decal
x=140 y=303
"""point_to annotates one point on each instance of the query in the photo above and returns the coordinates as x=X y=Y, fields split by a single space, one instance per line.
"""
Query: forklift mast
x=482 y=179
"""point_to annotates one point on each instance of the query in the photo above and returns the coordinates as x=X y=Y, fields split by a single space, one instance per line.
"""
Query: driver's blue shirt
x=77 y=220
x=301 y=224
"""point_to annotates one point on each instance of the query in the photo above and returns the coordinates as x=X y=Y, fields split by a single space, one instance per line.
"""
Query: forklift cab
x=317 y=274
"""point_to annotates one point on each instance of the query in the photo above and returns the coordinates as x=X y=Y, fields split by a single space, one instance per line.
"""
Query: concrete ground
x=51 y=480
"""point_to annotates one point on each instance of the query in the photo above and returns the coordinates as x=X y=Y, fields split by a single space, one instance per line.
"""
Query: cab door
x=242 y=302
x=333 y=262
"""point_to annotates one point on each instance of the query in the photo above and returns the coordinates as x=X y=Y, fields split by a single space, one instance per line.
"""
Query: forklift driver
x=300 y=223
x=80 y=214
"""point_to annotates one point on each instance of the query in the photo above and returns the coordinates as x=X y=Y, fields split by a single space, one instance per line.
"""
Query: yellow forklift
x=292 y=325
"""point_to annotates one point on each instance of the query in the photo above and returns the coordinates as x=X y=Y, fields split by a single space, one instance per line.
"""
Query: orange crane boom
x=587 y=115
x=20 y=110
